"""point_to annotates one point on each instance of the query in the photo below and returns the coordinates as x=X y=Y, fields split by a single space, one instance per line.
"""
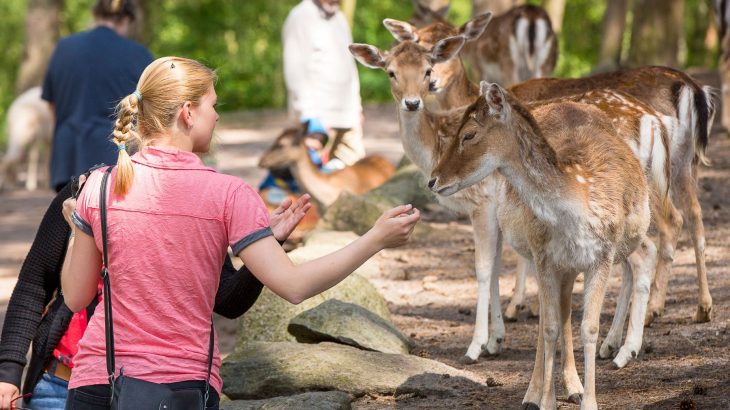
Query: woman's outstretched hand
x=395 y=225
x=287 y=216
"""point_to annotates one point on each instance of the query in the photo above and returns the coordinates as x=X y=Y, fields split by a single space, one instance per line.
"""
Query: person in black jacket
x=36 y=310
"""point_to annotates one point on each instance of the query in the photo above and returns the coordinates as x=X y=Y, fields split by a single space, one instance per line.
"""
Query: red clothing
x=69 y=344
x=167 y=238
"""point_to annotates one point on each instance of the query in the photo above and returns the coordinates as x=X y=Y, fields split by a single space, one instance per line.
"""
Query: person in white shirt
x=321 y=76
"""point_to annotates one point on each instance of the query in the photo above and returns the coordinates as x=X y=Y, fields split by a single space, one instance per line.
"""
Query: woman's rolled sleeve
x=247 y=220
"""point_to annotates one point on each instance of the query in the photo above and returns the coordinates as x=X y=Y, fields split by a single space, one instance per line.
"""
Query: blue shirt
x=89 y=73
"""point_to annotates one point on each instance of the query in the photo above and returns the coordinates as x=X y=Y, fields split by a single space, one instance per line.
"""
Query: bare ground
x=431 y=290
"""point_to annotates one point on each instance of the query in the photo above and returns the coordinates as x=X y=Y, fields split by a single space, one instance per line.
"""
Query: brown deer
x=289 y=151
x=673 y=94
x=427 y=11
x=722 y=14
x=637 y=123
x=409 y=67
x=572 y=198
x=518 y=45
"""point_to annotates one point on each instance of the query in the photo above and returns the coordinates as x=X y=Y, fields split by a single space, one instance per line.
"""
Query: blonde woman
x=170 y=220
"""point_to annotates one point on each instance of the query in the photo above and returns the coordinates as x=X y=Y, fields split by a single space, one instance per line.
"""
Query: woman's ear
x=186 y=114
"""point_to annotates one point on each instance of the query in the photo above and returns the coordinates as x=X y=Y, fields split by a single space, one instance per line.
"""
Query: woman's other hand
x=287 y=216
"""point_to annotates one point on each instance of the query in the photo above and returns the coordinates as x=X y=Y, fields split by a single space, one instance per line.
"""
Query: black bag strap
x=108 y=320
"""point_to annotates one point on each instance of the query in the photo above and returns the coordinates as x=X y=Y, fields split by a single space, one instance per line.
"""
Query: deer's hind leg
x=669 y=227
x=641 y=263
x=516 y=303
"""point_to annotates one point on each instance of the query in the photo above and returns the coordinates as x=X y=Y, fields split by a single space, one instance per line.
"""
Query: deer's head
x=409 y=67
x=285 y=150
x=444 y=73
x=483 y=140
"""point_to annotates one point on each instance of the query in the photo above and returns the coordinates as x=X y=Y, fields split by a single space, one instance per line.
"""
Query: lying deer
x=518 y=45
x=289 y=151
x=29 y=128
x=572 y=198
x=642 y=127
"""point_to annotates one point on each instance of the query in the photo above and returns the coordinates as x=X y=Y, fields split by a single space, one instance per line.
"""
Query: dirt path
x=431 y=290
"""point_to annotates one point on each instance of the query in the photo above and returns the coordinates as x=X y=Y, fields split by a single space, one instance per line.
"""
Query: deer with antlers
x=572 y=198
x=290 y=151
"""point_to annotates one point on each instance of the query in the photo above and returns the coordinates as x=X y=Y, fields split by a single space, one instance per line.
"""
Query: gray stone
x=262 y=370
x=269 y=317
x=330 y=400
x=349 y=324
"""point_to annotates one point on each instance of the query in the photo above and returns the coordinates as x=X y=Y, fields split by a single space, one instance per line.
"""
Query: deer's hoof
x=530 y=406
x=576 y=398
x=704 y=314
x=467 y=360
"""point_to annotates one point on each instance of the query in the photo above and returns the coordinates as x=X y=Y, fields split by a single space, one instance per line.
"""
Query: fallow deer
x=518 y=45
x=289 y=151
x=29 y=129
x=409 y=67
x=673 y=94
x=637 y=123
x=427 y=11
x=572 y=197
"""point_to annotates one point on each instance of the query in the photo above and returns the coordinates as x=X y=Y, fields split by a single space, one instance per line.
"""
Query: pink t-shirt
x=167 y=240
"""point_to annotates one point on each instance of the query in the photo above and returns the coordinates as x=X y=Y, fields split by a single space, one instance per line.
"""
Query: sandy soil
x=431 y=290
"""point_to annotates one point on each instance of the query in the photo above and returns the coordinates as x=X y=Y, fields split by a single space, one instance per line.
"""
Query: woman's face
x=204 y=120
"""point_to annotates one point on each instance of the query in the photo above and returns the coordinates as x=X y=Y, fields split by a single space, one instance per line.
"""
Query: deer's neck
x=420 y=141
x=460 y=92
x=535 y=173
x=310 y=179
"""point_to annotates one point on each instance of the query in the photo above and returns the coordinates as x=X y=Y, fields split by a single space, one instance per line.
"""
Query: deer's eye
x=469 y=136
x=391 y=74
x=428 y=73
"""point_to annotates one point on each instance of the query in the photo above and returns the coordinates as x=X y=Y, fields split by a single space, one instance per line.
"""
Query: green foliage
x=12 y=23
x=242 y=39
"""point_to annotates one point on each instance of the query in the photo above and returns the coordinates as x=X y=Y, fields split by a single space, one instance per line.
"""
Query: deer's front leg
x=517 y=302
x=487 y=252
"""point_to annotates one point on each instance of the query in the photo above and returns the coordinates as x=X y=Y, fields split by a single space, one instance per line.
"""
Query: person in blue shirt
x=89 y=72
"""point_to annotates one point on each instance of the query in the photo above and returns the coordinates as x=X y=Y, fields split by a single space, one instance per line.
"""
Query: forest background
x=242 y=38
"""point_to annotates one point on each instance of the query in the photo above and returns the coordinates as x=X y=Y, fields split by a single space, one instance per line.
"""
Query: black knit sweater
x=38 y=282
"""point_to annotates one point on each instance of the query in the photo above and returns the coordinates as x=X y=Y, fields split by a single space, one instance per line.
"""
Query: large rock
x=350 y=324
x=264 y=370
x=270 y=315
x=358 y=213
x=330 y=400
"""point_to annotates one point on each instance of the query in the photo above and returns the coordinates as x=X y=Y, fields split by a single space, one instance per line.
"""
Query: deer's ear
x=447 y=49
x=472 y=29
x=401 y=30
x=368 y=55
x=497 y=105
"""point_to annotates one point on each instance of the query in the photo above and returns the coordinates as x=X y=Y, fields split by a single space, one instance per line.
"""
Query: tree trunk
x=614 y=24
x=497 y=7
x=656 y=32
x=556 y=10
x=41 y=33
x=348 y=8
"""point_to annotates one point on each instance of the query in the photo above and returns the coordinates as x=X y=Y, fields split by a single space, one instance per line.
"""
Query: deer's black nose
x=413 y=105
x=431 y=183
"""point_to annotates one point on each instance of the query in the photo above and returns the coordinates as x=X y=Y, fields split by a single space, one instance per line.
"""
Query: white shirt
x=320 y=73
